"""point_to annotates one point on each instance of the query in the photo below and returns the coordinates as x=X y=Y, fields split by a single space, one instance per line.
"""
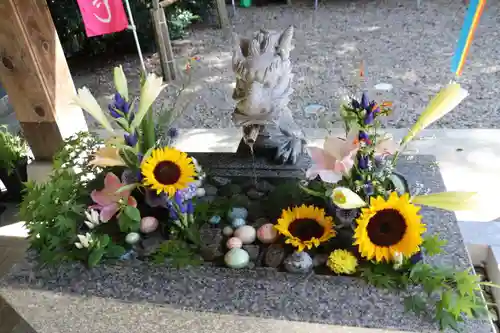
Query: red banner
x=102 y=17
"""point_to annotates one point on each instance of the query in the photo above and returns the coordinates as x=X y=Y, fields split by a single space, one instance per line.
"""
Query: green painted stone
x=237 y=258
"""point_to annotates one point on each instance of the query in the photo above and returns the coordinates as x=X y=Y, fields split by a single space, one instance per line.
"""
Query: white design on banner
x=97 y=4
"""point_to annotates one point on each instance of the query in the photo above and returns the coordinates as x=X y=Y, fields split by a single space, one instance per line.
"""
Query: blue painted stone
x=237 y=212
x=238 y=222
x=214 y=219
x=298 y=262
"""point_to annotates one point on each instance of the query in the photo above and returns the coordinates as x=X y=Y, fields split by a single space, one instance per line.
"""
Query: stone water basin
x=138 y=296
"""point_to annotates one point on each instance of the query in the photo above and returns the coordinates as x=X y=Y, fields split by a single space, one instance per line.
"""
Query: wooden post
x=163 y=38
x=34 y=72
x=224 y=22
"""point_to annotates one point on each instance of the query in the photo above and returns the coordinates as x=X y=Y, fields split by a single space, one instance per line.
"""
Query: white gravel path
x=407 y=47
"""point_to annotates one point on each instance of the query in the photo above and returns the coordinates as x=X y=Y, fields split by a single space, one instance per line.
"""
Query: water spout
x=250 y=134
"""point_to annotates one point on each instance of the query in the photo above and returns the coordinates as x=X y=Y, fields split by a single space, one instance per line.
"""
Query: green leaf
x=104 y=241
x=129 y=187
x=133 y=213
x=123 y=122
x=466 y=283
x=433 y=245
x=446 y=320
x=178 y=253
x=415 y=303
x=95 y=256
x=126 y=224
x=114 y=251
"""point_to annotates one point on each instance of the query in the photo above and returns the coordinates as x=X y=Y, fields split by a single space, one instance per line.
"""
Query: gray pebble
x=220 y=181
x=253 y=251
x=254 y=194
x=299 y=262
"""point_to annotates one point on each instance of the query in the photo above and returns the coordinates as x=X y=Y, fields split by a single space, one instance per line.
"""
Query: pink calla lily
x=108 y=201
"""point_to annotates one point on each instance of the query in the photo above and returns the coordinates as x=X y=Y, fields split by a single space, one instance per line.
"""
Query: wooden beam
x=34 y=72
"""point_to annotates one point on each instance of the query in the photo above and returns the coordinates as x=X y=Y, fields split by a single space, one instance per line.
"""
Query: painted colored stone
x=246 y=233
x=298 y=262
x=267 y=234
x=238 y=222
x=214 y=220
x=227 y=231
x=200 y=192
x=237 y=212
x=236 y=258
x=132 y=238
x=149 y=224
x=234 y=242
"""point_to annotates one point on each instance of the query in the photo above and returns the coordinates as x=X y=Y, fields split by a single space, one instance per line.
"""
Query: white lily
x=120 y=82
x=85 y=240
x=397 y=257
x=149 y=92
x=87 y=101
x=345 y=198
x=93 y=219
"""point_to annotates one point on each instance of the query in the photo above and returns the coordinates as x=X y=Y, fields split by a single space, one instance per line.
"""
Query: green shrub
x=69 y=25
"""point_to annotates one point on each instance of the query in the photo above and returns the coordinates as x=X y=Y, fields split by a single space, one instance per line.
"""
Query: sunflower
x=305 y=226
x=168 y=170
x=388 y=227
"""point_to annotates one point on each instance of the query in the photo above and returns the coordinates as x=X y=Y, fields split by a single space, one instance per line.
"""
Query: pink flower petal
x=108 y=212
x=317 y=156
x=131 y=201
x=312 y=172
x=329 y=176
x=335 y=147
x=112 y=183
x=101 y=198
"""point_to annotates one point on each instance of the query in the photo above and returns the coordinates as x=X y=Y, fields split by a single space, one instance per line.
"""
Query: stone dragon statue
x=263 y=87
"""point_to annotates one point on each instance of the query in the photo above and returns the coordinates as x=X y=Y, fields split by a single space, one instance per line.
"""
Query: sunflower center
x=167 y=172
x=306 y=229
x=387 y=227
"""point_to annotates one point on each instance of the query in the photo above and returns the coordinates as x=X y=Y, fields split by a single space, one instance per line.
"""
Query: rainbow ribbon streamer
x=471 y=21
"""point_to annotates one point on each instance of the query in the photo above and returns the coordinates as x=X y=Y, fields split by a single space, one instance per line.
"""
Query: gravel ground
x=407 y=47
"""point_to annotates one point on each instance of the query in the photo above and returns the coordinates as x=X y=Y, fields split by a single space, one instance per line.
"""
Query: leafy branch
x=179 y=254
x=453 y=295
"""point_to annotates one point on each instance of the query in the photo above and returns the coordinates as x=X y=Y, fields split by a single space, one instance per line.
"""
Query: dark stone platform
x=138 y=297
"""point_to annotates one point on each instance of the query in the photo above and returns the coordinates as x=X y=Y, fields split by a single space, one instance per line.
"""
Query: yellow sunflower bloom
x=305 y=227
x=168 y=170
x=342 y=262
x=387 y=227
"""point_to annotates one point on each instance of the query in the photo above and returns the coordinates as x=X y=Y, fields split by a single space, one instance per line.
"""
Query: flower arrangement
x=356 y=177
x=353 y=214
x=119 y=191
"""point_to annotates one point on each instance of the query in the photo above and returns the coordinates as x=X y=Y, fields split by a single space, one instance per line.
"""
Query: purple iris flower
x=355 y=104
x=363 y=136
x=369 y=190
x=363 y=162
x=190 y=207
x=173 y=132
x=131 y=139
x=119 y=103
x=416 y=258
x=369 y=117
x=365 y=103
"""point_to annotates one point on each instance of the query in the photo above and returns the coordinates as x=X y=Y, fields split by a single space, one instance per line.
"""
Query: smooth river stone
x=267 y=234
x=233 y=243
x=149 y=224
x=237 y=258
x=246 y=233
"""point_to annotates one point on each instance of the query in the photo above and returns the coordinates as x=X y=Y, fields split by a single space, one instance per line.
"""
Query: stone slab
x=162 y=295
